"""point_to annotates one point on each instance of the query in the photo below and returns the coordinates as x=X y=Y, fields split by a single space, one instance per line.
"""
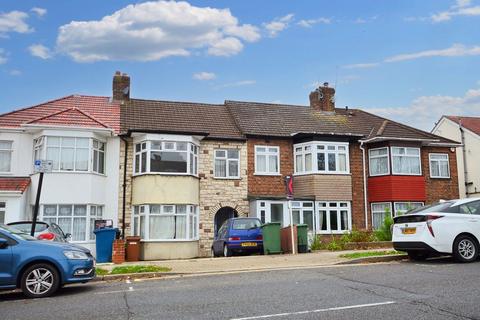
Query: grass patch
x=132 y=269
x=366 y=254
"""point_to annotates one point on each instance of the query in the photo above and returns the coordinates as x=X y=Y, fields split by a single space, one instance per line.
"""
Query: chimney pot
x=323 y=98
x=325 y=84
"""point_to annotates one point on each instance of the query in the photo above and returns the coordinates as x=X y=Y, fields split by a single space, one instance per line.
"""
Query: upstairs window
x=267 y=160
x=5 y=156
x=406 y=161
x=321 y=157
x=379 y=162
x=167 y=157
x=227 y=163
x=75 y=154
x=439 y=166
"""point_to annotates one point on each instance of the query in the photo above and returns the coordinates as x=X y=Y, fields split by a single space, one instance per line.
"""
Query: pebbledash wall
x=217 y=193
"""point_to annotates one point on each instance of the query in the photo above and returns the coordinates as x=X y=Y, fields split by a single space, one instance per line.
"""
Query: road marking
x=286 y=314
x=130 y=289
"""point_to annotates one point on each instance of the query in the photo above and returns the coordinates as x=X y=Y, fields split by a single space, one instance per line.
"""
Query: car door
x=473 y=218
x=6 y=263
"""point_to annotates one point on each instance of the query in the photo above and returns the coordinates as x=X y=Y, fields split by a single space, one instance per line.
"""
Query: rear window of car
x=15 y=233
x=436 y=207
x=27 y=227
x=245 y=224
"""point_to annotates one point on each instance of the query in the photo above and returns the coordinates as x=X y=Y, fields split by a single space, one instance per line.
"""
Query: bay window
x=321 y=157
x=5 y=156
x=439 y=166
x=227 y=163
x=71 y=154
x=380 y=210
x=406 y=161
x=267 y=160
x=401 y=208
x=302 y=213
x=379 y=161
x=76 y=219
x=165 y=222
x=168 y=157
x=333 y=217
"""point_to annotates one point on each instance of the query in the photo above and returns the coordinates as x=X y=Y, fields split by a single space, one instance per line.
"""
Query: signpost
x=41 y=166
x=289 y=192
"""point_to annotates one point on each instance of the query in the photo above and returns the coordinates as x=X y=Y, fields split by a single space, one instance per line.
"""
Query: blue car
x=238 y=235
x=39 y=267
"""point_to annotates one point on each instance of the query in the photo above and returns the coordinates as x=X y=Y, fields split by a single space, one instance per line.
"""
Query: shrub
x=358 y=236
x=316 y=244
x=385 y=231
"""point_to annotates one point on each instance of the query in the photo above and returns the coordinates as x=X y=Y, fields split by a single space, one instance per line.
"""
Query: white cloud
x=425 y=110
x=361 y=65
x=204 y=76
x=15 y=72
x=154 y=30
x=308 y=23
x=460 y=8
x=3 y=57
x=457 y=50
x=39 y=11
x=14 y=21
x=277 y=25
x=40 y=51
x=237 y=84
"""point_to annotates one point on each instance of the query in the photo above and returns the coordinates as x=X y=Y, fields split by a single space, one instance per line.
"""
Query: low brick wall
x=118 y=253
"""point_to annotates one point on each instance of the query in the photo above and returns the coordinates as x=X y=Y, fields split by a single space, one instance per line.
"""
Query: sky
x=410 y=61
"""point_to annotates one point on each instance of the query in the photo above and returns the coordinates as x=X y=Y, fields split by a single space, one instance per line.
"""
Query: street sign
x=43 y=166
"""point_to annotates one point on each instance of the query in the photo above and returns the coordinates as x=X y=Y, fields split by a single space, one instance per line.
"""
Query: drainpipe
x=464 y=156
x=124 y=185
x=364 y=184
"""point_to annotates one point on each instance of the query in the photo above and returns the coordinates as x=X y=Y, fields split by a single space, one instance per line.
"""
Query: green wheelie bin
x=271 y=238
x=302 y=236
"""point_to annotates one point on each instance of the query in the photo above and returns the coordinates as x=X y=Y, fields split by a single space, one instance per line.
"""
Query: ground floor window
x=2 y=212
x=76 y=219
x=303 y=213
x=333 y=217
x=165 y=221
x=402 y=207
x=380 y=210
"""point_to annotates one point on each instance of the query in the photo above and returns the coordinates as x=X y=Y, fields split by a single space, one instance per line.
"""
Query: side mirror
x=3 y=243
x=68 y=235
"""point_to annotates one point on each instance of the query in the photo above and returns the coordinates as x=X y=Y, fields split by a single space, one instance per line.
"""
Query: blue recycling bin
x=104 y=243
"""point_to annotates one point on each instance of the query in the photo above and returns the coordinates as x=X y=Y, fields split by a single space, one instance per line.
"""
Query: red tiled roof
x=470 y=123
x=14 y=184
x=73 y=110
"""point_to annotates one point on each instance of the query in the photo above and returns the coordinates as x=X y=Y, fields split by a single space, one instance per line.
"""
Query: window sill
x=267 y=174
x=407 y=174
x=440 y=178
x=76 y=172
x=379 y=175
x=227 y=178
x=164 y=174
x=322 y=173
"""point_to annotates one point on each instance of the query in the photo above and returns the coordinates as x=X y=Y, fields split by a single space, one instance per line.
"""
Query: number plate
x=249 y=244
x=409 y=230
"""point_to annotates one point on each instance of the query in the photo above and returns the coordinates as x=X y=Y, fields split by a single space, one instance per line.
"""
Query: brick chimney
x=323 y=98
x=121 y=87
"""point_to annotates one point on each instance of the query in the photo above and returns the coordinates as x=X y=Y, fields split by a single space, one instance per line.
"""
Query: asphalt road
x=439 y=289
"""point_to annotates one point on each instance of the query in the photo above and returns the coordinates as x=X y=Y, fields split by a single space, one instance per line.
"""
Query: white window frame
x=10 y=153
x=40 y=146
x=266 y=206
x=438 y=163
x=329 y=208
x=192 y=213
x=372 y=212
x=192 y=152
x=99 y=151
x=267 y=154
x=227 y=161
x=419 y=156
x=314 y=151
x=88 y=216
x=3 y=209
x=370 y=157
x=302 y=207
x=403 y=202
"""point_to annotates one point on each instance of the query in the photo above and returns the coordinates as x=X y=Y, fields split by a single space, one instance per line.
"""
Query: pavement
x=249 y=263
x=435 y=289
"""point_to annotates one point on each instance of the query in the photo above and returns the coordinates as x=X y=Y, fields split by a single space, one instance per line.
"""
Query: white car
x=447 y=227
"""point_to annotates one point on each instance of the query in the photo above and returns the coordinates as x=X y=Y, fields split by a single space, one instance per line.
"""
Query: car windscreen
x=27 y=227
x=15 y=233
x=436 y=207
x=245 y=224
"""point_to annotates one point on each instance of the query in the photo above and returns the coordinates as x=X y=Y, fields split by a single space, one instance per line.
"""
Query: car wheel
x=417 y=255
x=226 y=252
x=40 y=280
x=465 y=249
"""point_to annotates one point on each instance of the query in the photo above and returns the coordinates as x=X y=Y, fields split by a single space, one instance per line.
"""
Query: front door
x=222 y=215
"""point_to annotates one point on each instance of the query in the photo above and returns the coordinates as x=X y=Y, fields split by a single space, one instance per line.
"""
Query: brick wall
x=440 y=188
x=269 y=185
x=218 y=193
x=356 y=170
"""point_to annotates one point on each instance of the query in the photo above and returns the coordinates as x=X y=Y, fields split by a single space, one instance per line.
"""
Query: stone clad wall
x=218 y=193
x=128 y=200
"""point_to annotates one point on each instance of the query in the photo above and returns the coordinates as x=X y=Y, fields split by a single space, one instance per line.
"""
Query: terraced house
x=173 y=172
